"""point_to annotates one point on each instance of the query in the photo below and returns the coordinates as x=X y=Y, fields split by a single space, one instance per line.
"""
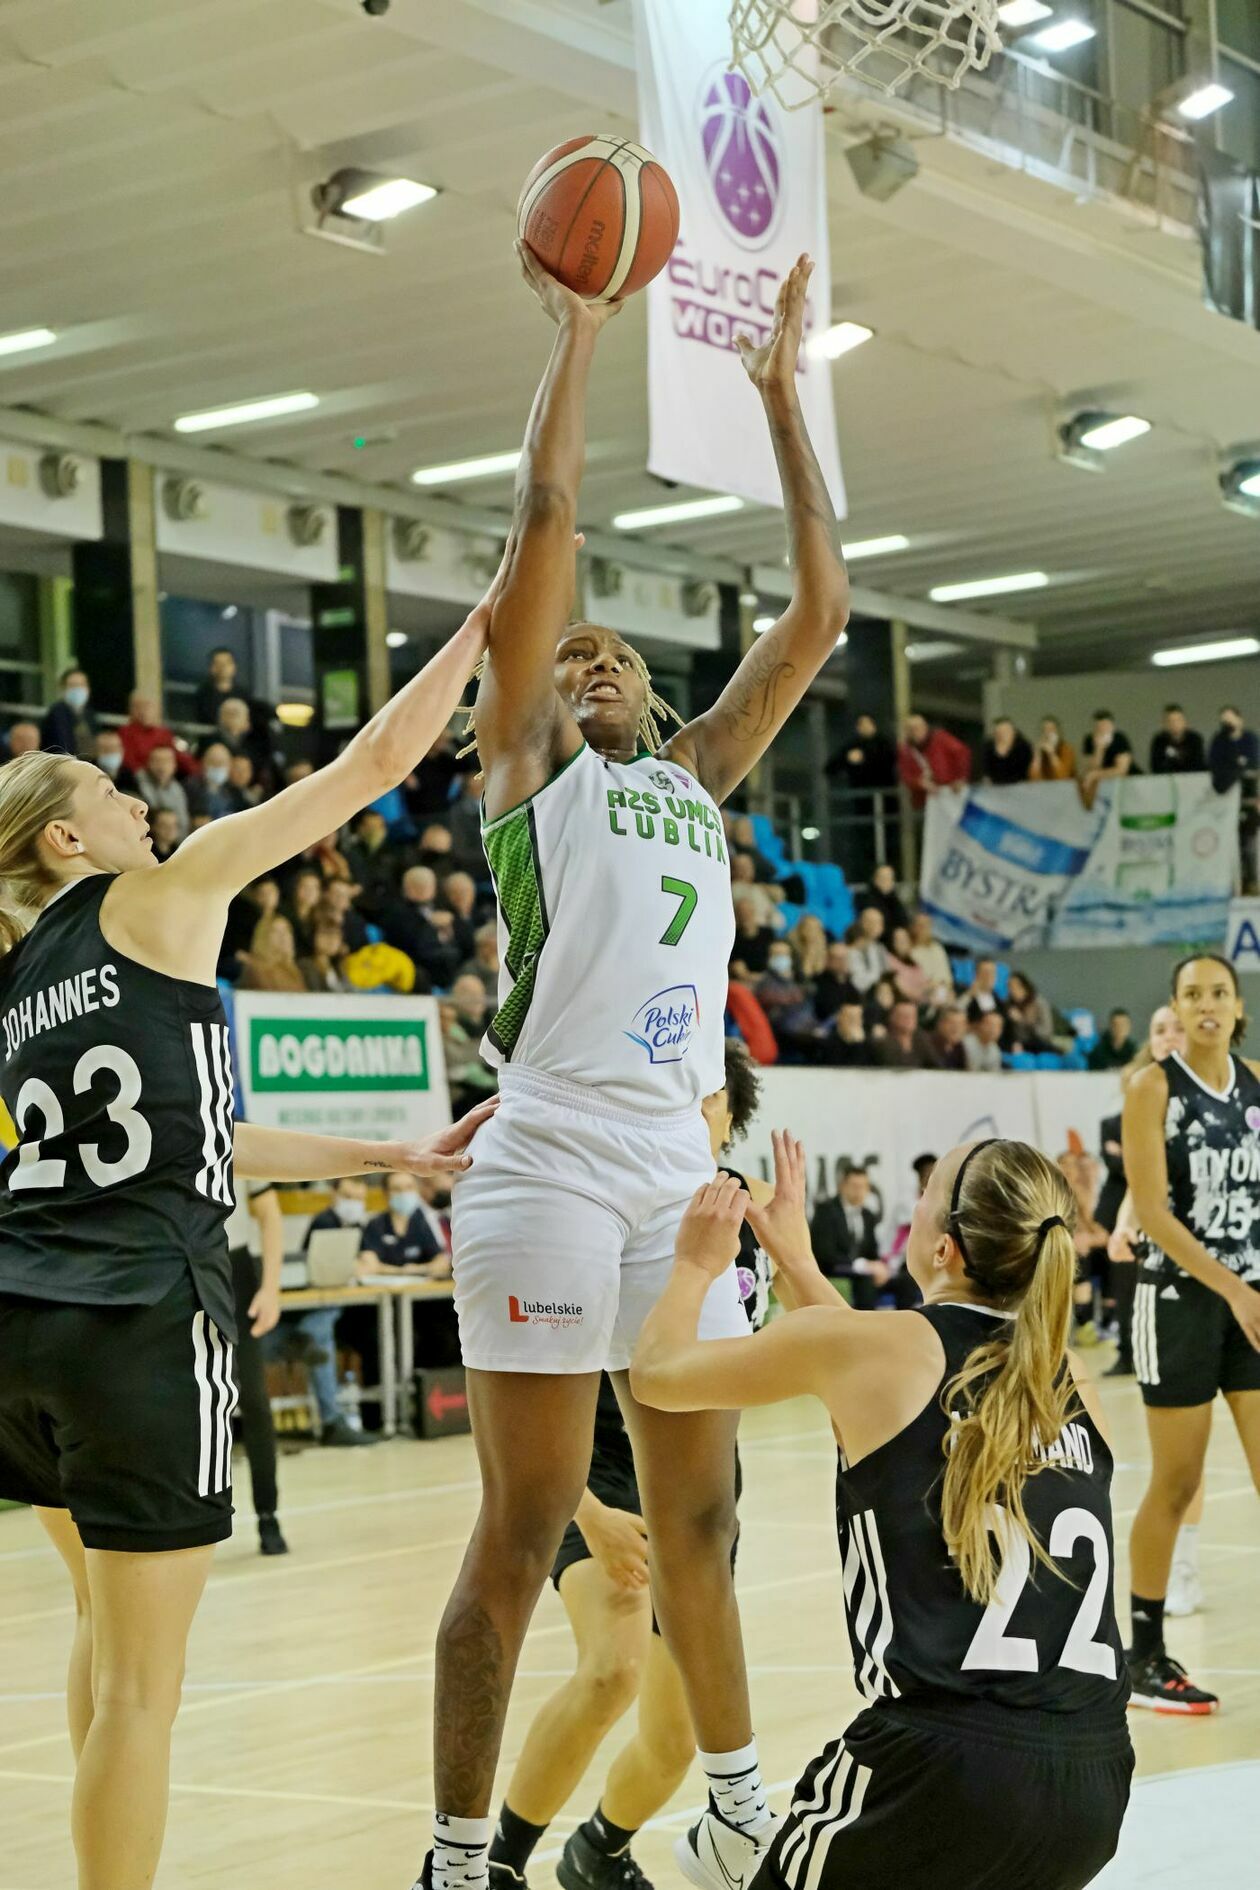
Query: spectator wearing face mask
x=108 y=756
x=69 y=725
x=213 y=796
x=401 y=1240
x=160 y=789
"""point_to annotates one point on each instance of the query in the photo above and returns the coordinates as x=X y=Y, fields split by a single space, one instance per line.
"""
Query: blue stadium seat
x=1002 y=983
x=791 y=914
x=964 y=972
x=375 y=936
x=768 y=841
x=1049 y=1060
x=1020 y=1060
x=394 y=809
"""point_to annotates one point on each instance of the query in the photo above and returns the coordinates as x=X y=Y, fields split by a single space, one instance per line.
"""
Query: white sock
x=461 y=1853
x=1186 y=1547
x=739 y=1797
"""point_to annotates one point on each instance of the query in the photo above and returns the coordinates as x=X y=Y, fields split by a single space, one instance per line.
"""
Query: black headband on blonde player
x=1213 y=958
x=1011 y=1217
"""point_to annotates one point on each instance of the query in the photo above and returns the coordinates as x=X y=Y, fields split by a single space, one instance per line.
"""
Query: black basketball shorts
x=965 y=1797
x=1187 y=1344
x=122 y=1415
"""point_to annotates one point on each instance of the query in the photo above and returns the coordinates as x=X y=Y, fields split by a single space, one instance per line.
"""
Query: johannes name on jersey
x=59 y=1003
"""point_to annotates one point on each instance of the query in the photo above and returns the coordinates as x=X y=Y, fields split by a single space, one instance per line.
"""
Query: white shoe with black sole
x=713 y=1855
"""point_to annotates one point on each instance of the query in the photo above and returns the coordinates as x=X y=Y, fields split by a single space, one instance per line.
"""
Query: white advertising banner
x=1151 y=863
x=752 y=189
x=363 y=1066
x=885 y=1118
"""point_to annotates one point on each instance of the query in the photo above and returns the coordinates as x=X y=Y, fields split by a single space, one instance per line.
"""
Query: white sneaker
x=713 y=1855
x=1185 y=1590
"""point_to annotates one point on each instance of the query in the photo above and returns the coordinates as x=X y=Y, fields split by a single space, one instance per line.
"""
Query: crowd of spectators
x=401 y=900
x=929 y=758
x=886 y=995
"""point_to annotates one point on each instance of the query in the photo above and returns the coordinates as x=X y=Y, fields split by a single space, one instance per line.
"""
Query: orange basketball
x=601 y=215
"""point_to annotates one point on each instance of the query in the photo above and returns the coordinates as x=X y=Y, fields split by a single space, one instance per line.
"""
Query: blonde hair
x=34 y=789
x=655 y=709
x=811 y=952
x=1015 y=1392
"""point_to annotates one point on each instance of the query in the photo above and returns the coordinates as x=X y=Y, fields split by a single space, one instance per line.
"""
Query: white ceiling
x=150 y=150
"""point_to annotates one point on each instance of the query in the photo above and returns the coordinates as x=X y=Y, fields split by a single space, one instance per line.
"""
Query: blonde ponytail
x=34 y=789
x=1013 y=1396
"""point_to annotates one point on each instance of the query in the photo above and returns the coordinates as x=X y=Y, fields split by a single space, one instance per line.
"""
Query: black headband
x=954 y=1223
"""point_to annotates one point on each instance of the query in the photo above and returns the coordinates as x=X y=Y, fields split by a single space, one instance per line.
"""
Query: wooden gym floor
x=302 y=1754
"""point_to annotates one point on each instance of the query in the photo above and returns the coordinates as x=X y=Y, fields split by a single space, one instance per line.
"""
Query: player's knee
x=609 y=1684
x=519 y=1539
x=140 y=1686
x=697 y=1526
x=1176 y=1486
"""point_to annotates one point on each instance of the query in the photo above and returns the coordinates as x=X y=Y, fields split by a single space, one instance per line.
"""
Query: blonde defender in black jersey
x=116 y=1303
x=974 y=1515
x=1191 y=1132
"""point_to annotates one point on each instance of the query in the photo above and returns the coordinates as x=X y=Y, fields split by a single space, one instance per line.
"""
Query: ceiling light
x=762 y=624
x=395 y=639
x=228 y=612
x=837 y=340
x=1103 y=433
x=677 y=514
x=377 y=199
x=810 y=833
x=989 y=587
x=1205 y=652
x=1063 y=35
x=26 y=339
x=1204 y=101
x=749 y=599
x=295 y=714
x=875 y=547
x=461 y=469
x=1023 y=12
x=932 y=651
x=247 y=410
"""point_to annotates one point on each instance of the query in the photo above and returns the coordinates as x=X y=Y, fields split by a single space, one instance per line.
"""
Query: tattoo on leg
x=469 y=1703
x=751 y=714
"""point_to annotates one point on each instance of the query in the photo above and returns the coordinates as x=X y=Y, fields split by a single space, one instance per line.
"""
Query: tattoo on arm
x=751 y=713
x=470 y=1699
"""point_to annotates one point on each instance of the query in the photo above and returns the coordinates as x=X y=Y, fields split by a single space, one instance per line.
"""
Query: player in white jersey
x=614 y=891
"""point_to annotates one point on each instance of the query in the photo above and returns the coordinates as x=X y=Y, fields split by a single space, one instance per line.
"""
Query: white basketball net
x=797 y=49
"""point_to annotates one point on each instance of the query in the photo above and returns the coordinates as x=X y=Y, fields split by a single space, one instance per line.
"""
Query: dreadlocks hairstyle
x=1012 y=1217
x=655 y=710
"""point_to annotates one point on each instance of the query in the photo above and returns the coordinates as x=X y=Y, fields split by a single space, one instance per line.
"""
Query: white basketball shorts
x=563 y=1229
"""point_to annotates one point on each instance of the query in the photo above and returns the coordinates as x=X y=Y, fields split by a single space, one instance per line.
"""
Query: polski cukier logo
x=664 y=1025
x=743 y=157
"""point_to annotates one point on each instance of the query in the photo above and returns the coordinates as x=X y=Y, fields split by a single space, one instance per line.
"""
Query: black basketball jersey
x=119 y=1082
x=752 y=1266
x=1213 y=1153
x=1042 y=1642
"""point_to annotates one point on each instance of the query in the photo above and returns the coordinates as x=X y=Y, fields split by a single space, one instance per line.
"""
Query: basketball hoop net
x=797 y=49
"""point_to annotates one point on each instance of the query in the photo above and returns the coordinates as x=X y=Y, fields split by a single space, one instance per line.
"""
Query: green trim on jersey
x=511 y=844
x=488 y=826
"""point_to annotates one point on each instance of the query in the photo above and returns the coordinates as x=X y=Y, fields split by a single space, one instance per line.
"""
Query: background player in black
x=1192 y=1155
x=601 y=1576
x=256 y=1289
x=116 y=1304
x=973 y=1504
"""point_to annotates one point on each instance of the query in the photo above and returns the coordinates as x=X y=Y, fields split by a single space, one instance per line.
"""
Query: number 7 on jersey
x=685 y=893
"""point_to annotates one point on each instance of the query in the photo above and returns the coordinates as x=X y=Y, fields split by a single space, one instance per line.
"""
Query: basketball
x=601 y=215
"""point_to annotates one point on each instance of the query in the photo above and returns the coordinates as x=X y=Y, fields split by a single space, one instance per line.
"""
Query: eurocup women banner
x=751 y=185
x=1153 y=862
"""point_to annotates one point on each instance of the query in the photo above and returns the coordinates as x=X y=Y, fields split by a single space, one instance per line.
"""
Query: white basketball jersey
x=615 y=929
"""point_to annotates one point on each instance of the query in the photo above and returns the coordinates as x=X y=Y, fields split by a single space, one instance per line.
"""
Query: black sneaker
x=343 y=1436
x=270 y=1538
x=583 y=1866
x=1160 y=1682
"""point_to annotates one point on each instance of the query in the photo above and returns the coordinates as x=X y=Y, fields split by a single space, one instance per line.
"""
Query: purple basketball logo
x=743 y=157
x=1253 y=1117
